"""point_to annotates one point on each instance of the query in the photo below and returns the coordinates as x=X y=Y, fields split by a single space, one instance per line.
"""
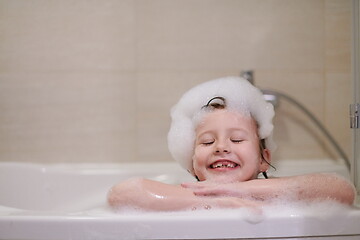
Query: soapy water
x=276 y=209
x=239 y=95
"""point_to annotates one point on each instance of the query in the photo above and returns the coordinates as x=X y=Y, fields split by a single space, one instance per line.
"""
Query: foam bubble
x=321 y=209
x=285 y=209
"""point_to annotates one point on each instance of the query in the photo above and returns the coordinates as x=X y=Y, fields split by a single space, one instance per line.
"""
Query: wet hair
x=220 y=103
x=215 y=103
x=262 y=146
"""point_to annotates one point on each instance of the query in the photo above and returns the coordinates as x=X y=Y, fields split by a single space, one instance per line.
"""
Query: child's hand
x=224 y=195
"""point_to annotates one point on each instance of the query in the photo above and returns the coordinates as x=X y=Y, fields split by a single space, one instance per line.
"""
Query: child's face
x=227 y=148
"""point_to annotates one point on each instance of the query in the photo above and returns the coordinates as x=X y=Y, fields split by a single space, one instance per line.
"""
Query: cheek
x=252 y=158
x=250 y=151
x=199 y=157
x=199 y=164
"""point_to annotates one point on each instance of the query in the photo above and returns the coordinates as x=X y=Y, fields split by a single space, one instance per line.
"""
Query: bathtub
x=68 y=201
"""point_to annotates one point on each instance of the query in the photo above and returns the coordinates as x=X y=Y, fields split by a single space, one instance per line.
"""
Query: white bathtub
x=68 y=201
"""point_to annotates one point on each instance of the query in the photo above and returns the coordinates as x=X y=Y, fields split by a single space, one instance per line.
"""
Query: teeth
x=223 y=165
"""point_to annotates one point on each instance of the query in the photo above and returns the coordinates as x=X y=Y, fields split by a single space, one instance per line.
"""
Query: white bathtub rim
x=167 y=227
x=20 y=224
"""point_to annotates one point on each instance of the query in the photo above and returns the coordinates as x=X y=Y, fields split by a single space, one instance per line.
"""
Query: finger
x=188 y=185
x=218 y=191
x=194 y=185
x=211 y=192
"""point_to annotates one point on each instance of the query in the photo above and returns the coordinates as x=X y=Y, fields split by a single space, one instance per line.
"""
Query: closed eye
x=237 y=140
x=207 y=143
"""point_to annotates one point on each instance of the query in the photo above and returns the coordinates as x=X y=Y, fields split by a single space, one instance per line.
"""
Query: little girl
x=221 y=132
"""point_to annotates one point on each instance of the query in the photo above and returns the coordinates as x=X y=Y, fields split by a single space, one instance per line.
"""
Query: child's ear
x=264 y=165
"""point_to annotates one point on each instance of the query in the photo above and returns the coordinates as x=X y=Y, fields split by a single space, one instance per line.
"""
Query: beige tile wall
x=93 y=81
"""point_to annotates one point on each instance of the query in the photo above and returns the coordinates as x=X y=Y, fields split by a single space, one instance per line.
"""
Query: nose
x=222 y=147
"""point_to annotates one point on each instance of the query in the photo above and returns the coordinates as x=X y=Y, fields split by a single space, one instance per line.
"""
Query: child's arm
x=144 y=194
x=299 y=188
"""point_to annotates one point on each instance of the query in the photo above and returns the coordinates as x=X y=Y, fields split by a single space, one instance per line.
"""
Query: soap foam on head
x=240 y=96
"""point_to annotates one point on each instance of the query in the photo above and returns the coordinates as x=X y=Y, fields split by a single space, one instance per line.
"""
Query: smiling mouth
x=223 y=164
